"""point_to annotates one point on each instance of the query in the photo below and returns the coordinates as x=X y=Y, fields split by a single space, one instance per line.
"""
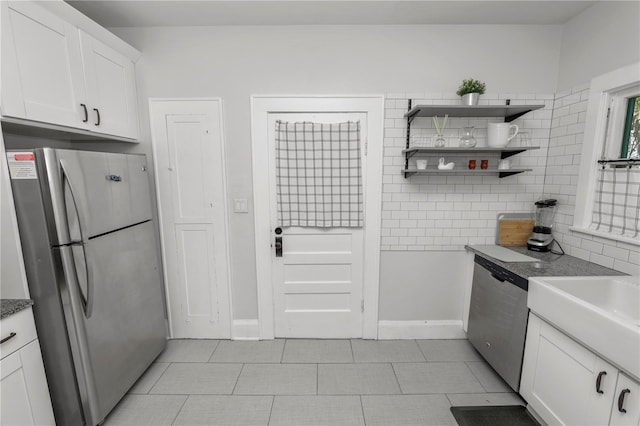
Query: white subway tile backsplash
x=435 y=213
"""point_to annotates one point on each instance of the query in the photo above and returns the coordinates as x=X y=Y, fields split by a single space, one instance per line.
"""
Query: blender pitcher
x=541 y=238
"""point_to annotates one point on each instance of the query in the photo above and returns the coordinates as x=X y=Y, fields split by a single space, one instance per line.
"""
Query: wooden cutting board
x=515 y=233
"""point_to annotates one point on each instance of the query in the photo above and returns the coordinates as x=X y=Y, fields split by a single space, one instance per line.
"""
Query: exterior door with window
x=317 y=271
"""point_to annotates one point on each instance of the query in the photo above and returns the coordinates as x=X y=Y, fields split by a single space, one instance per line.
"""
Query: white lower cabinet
x=24 y=393
x=567 y=384
x=626 y=402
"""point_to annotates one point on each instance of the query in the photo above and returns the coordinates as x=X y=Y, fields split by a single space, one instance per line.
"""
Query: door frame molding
x=154 y=103
x=261 y=107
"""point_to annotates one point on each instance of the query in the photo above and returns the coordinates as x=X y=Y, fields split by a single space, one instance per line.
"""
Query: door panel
x=193 y=198
x=318 y=281
x=196 y=269
x=187 y=142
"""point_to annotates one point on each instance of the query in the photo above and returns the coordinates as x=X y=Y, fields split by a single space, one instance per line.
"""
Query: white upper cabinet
x=41 y=66
x=110 y=83
x=57 y=73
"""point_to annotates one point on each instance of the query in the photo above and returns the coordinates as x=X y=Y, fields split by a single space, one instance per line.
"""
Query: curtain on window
x=319 y=174
x=617 y=200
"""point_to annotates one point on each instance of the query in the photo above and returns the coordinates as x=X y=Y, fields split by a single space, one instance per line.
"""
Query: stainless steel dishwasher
x=498 y=318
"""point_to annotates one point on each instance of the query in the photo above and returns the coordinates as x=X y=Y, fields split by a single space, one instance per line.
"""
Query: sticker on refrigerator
x=22 y=165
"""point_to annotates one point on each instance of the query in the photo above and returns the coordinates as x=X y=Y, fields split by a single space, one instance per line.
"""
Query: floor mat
x=502 y=415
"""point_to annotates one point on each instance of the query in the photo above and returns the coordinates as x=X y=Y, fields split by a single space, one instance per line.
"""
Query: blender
x=541 y=238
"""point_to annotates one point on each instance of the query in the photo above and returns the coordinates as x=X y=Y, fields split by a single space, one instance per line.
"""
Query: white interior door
x=189 y=158
x=317 y=282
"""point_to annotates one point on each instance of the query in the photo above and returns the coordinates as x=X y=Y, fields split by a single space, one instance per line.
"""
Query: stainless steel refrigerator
x=93 y=271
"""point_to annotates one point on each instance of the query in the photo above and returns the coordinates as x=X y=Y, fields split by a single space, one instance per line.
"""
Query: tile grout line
x=396 y=376
x=273 y=401
x=181 y=407
x=237 y=379
x=364 y=420
x=158 y=379
x=353 y=354
x=214 y=351
x=474 y=376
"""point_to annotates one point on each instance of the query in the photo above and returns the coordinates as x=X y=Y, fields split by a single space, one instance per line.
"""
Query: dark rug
x=501 y=415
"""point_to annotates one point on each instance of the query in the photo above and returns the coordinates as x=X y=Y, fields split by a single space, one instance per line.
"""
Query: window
x=608 y=193
x=631 y=133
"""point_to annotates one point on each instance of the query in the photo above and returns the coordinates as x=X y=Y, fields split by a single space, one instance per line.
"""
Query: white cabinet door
x=560 y=378
x=24 y=394
x=626 y=402
x=14 y=397
x=41 y=66
x=110 y=82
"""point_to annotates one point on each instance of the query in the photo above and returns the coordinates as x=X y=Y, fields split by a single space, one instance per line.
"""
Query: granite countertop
x=549 y=265
x=12 y=306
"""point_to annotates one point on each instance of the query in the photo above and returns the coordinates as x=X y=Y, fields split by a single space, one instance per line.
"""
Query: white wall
x=604 y=37
x=237 y=62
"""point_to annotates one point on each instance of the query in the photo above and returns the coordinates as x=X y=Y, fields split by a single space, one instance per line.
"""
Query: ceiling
x=154 y=13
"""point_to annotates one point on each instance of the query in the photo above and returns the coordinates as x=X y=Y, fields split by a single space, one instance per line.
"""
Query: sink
x=603 y=313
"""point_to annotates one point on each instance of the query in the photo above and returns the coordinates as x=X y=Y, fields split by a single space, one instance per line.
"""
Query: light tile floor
x=311 y=382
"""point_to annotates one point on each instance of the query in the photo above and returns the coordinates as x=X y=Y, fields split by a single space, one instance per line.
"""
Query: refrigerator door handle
x=87 y=301
x=82 y=357
x=65 y=178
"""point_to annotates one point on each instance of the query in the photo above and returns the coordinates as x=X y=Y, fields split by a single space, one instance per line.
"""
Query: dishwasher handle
x=497 y=277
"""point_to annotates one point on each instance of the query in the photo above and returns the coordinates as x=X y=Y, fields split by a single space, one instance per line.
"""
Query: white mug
x=504 y=164
x=498 y=134
x=421 y=164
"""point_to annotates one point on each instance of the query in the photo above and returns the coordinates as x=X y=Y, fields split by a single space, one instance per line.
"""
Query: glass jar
x=468 y=140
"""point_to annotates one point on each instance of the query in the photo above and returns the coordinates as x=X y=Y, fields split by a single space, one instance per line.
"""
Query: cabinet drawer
x=23 y=326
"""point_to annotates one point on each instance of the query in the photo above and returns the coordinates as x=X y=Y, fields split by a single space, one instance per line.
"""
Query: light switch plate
x=240 y=205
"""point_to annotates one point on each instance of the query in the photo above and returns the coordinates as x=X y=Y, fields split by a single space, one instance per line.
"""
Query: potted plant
x=470 y=90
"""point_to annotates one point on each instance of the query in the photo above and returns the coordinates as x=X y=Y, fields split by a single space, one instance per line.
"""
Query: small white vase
x=470 y=99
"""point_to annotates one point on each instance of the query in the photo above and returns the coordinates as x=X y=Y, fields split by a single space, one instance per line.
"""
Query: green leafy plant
x=471 y=86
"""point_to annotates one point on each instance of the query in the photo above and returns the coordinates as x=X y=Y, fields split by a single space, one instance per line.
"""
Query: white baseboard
x=245 y=330
x=445 y=329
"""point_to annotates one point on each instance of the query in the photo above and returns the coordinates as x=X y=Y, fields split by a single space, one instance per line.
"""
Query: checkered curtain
x=319 y=174
x=617 y=201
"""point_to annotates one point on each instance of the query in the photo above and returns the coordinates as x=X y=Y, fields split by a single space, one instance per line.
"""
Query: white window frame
x=608 y=90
